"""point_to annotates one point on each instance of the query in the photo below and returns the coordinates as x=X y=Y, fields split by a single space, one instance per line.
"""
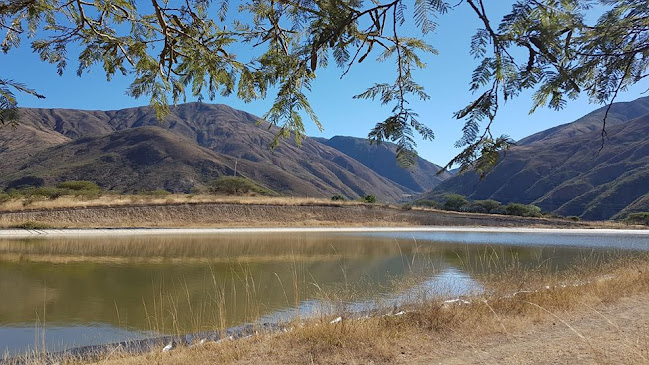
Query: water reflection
x=94 y=290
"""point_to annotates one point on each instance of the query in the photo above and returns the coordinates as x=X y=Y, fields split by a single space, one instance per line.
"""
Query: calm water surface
x=62 y=293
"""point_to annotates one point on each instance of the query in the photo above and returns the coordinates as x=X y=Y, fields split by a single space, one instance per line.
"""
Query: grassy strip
x=116 y=200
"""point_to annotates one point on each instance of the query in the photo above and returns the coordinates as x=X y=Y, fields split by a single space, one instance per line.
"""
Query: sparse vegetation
x=80 y=188
x=237 y=185
x=455 y=202
x=638 y=218
x=523 y=210
x=23 y=190
x=338 y=198
x=43 y=192
x=156 y=193
x=489 y=205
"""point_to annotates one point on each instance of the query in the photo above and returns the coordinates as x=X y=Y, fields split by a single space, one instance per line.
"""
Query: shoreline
x=96 y=232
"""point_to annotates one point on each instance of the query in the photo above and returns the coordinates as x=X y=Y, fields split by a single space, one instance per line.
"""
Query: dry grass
x=114 y=200
x=243 y=211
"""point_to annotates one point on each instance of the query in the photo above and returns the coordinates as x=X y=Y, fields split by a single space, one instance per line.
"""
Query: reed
x=580 y=311
x=590 y=293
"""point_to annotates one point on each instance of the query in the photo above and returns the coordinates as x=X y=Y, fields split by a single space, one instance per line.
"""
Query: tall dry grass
x=110 y=200
x=586 y=301
x=515 y=297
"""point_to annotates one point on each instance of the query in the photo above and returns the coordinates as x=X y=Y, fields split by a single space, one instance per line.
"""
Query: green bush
x=455 y=202
x=489 y=205
x=4 y=198
x=236 y=185
x=473 y=208
x=47 y=192
x=523 y=210
x=369 y=199
x=338 y=197
x=80 y=188
x=638 y=218
x=155 y=193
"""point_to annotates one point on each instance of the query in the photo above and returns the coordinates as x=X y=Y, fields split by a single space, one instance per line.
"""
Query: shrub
x=638 y=218
x=48 y=192
x=455 y=202
x=338 y=197
x=4 y=198
x=489 y=205
x=473 y=208
x=573 y=218
x=236 y=185
x=369 y=199
x=156 y=193
x=80 y=188
x=523 y=210
x=499 y=210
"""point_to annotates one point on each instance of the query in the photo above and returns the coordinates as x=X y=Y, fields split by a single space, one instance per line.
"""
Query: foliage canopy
x=174 y=48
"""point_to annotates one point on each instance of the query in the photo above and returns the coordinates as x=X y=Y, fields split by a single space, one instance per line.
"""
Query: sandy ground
x=608 y=334
x=27 y=233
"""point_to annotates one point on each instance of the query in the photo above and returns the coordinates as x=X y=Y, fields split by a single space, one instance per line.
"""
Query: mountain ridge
x=222 y=136
x=566 y=171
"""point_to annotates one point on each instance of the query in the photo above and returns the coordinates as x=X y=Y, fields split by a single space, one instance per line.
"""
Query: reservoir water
x=60 y=293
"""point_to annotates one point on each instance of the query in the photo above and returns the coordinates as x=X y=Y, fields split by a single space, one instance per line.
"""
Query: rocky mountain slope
x=381 y=159
x=130 y=150
x=562 y=169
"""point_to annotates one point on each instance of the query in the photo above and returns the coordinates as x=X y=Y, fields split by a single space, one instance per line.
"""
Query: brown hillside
x=105 y=147
x=563 y=170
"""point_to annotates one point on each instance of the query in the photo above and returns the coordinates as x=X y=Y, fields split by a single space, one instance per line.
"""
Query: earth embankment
x=262 y=215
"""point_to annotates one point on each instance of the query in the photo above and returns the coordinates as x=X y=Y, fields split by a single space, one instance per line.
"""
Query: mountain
x=381 y=159
x=130 y=150
x=563 y=170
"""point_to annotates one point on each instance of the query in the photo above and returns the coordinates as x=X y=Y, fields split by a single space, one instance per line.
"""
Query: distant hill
x=562 y=169
x=381 y=159
x=130 y=150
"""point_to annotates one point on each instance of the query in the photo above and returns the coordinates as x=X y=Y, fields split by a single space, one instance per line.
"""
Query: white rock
x=169 y=347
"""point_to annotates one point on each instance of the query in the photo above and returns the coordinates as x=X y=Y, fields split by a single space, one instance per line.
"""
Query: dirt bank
x=263 y=215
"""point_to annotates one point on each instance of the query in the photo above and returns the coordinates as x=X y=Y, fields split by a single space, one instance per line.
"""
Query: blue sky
x=446 y=79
